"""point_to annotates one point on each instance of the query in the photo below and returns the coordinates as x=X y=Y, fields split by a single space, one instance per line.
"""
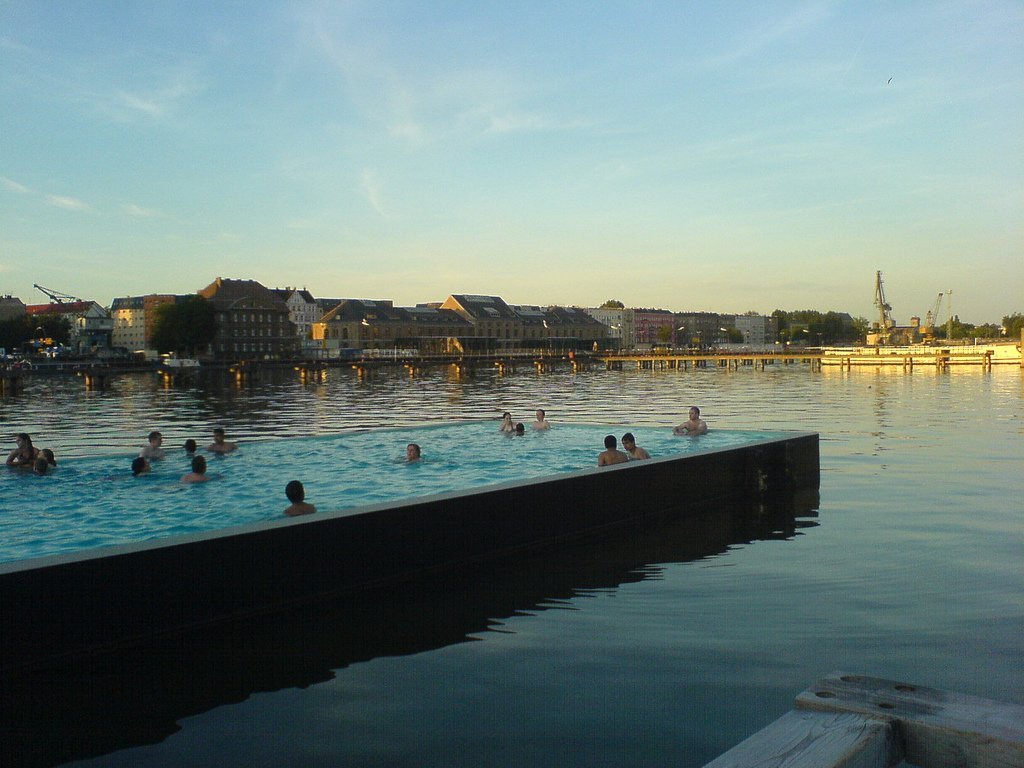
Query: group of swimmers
x=518 y=428
x=154 y=451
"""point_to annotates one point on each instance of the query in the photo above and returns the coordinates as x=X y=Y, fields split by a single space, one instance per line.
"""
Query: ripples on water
x=645 y=656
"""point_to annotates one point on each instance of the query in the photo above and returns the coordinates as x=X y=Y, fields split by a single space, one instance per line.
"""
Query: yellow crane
x=931 y=318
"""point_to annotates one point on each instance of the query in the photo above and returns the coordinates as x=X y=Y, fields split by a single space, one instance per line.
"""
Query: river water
x=666 y=646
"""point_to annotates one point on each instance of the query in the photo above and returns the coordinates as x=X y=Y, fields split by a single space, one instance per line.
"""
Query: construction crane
x=931 y=318
x=55 y=296
x=885 y=321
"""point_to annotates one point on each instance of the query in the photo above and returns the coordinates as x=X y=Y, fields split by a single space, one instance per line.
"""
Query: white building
x=621 y=325
x=303 y=309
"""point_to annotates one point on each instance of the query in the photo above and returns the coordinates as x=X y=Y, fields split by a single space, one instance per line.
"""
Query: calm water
x=667 y=646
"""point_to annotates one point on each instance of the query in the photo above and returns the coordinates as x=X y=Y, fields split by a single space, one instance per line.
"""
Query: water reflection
x=138 y=696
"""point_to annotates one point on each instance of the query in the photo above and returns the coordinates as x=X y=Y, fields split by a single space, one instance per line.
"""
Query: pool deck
x=66 y=605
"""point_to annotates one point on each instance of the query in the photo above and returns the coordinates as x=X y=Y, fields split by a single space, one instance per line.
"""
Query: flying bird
x=889 y=81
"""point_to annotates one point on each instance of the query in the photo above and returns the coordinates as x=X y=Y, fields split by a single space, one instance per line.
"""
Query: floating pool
x=94 y=502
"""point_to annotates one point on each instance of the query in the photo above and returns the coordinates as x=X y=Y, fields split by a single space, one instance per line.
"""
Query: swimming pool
x=94 y=502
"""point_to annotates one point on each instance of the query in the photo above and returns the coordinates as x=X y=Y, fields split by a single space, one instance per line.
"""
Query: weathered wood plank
x=939 y=729
x=805 y=739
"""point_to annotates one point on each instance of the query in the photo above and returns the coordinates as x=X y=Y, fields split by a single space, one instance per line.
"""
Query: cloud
x=12 y=186
x=372 y=187
x=779 y=30
x=67 y=203
x=139 y=212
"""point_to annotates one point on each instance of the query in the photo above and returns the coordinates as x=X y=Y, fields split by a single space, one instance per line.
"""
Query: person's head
x=540 y=414
x=295 y=492
x=694 y=412
x=190 y=446
x=24 y=441
x=199 y=465
x=610 y=442
x=140 y=466
x=520 y=429
x=628 y=441
x=50 y=458
x=218 y=435
x=40 y=465
x=155 y=438
x=506 y=416
x=412 y=452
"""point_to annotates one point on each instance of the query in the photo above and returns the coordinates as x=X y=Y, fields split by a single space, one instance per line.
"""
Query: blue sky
x=692 y=156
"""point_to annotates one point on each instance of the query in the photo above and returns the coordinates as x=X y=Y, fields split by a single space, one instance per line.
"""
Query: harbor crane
x=55 y=296
x=885 y=321
x=931 y=318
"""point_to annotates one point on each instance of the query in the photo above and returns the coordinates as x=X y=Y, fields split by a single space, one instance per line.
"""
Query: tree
x=16 y=331
x=185 y=326
x=664 y=333
x=1013 y=324
x=613 y=304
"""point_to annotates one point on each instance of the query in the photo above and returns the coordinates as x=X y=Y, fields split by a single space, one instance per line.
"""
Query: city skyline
x=678 y=156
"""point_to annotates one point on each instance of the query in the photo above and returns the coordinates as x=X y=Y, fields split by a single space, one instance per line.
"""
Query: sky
x=690 y=156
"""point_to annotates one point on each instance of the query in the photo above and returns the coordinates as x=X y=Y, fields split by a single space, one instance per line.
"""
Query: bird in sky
x=889 y=81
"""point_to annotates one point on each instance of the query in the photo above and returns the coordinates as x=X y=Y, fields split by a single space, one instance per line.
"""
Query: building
x=90 y=325
x=621 y=325
x=252 y=321
x=493 y=321
x=133 y=318
x=654 y=326
x=357 y=325
x=11 y=308
x=700 y=329
x=559 y=328
x=757 y=330
x=303 y=309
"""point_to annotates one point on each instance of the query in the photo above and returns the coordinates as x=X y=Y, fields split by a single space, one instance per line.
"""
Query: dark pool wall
x=63 y=605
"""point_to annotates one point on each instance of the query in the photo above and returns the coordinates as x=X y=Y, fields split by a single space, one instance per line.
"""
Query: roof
x=480 y=307
x=227 y=294
x=67 y=308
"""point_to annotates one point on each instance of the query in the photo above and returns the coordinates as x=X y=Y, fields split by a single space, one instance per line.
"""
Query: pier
x=730 y=360
x=852 y=720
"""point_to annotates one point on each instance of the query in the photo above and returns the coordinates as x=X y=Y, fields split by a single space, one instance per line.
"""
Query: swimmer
x=413 y=452
x=520 y=429
x=634 y=451
x=153 y=451
x=695 y=426
x=541 y=423
x=297 y=496
x=24 y=455
x=140 y=466
x=219 y=444
x=611 y=454
x=190 y=446
x=198 y=473
x=506 y=422
x=47 y=454
x=40 y=465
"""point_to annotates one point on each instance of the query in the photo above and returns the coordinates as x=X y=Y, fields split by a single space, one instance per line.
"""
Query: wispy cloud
x=12 y=186
x=139 y=212
x=781 y=29
x=67 y=203
x=372 y=187
x=159 y=102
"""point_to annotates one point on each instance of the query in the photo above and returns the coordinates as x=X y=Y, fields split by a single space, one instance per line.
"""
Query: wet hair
x=50 y=458
x=295 y=492
x=199 y=465
x=40 y=465
x=520 y=429
x=416 y=446
x=628 y=438
x=542 y=412
x=218 y=430
x=190 y=445
x=695 y=408
x=610 y=442
x=24 y=438
x=138 y=464
x=153 y=435
x=506 y=415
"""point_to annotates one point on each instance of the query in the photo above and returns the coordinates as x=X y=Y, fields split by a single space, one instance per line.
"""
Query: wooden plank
x=805 y=739
x=940 y=729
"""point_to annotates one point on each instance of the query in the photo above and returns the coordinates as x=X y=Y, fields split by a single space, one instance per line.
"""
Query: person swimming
x=190 y=446
x=198 y=473
x=506 y=423
x=413 y=452
x=40 y=465
x=297 y=496
x=140 y=466
x=25 y=454
x=152 y=449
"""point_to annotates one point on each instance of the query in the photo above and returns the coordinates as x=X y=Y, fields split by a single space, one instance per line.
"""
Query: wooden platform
x=866 y=722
